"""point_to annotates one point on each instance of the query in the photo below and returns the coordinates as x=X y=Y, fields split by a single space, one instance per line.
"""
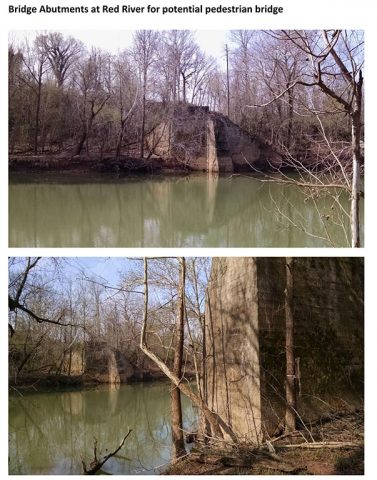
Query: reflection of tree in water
x=49 y=432
x=199 y=210
x=31 y=423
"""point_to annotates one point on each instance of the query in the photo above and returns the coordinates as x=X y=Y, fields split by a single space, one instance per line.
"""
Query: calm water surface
x=48 y=432
x=194 y=211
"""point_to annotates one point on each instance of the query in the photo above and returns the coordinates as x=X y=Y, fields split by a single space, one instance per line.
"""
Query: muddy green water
x=194 y=211
x=48 y=432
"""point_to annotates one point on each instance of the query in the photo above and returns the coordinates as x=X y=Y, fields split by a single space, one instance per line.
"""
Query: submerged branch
x=96 y=464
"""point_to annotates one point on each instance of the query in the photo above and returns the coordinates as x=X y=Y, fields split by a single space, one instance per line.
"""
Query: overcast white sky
x=210 y=41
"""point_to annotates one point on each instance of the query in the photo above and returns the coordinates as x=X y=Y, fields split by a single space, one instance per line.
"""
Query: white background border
x=297 y=14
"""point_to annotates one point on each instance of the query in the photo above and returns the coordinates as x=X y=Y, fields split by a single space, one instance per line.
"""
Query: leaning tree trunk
x=355 y=193
x=290 y=389
x=356 y=160
x=175 y=394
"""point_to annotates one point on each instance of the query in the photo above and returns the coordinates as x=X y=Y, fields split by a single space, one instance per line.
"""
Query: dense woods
x=299 y=90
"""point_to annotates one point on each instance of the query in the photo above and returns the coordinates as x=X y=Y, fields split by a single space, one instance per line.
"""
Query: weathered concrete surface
x=105 y=363
x=246 y=339
x=209 y=141
x=233 y=380
x=237 y=150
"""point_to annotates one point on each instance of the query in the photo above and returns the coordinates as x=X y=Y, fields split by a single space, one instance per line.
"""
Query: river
x=56 y=210
x=48 y=432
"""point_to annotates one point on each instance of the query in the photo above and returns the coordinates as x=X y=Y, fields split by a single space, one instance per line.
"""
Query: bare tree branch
x=96 y=464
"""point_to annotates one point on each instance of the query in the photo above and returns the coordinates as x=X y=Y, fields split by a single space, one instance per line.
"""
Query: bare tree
x=126 y=92
x=335 y=62
x=62 y=53
x=242 y=81
x=93 y=80
x=181 y=57
x=291 y=408
x=35 y=61
x=44 y=329
x=146 y=44
x=19 y=291
x=342 y=80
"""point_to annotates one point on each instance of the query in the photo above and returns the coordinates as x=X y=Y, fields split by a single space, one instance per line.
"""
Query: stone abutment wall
x=201 y=140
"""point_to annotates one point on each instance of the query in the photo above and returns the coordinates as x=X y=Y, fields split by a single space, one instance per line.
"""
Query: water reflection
x=49 y=431
x=194 y=211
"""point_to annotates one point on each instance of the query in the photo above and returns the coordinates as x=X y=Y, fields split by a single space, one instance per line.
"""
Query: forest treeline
x=299 y=90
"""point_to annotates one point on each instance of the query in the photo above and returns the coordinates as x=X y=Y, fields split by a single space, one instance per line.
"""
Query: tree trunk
x=290 y=390
x=290 y=118
x=175 y=394
x=355 y=193
x=356 y=160
x=37 y=114
x=81 y=142
x=183 y=87
x=142 y=139
x=227 y=80
x=88 y=124
x=217 y=423
x=119 y=144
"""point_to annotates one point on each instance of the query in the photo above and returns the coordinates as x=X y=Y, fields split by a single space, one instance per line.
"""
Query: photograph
x=184 y=138
x=186 y=365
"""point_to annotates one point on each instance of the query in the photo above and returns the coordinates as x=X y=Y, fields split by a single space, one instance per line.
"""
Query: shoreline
x=79 y=164
x=41 y=384
x=107 y=164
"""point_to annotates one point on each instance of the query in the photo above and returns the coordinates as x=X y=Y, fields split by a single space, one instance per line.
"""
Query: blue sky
x=104 y=267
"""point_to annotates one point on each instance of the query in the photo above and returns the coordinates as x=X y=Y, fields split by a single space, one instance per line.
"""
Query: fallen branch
x=97 y=464
x=323 y=445
x=295 y=433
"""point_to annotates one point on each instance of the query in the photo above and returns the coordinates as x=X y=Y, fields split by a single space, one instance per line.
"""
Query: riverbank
x=333 y=446
x=40 y=383
x=314 y=157
x=96 y=163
